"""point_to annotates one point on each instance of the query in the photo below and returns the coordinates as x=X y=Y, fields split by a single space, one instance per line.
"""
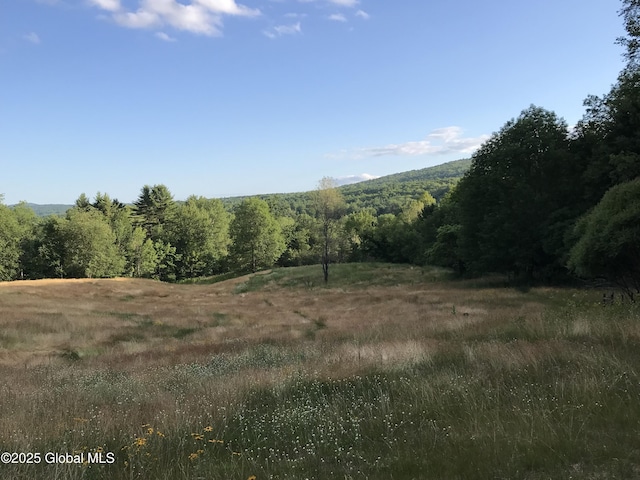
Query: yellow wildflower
x=208 y=429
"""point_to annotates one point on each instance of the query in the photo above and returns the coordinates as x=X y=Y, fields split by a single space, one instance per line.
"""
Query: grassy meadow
x=389 y=372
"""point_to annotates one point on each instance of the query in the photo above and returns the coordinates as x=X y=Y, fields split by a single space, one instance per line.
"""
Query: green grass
x=354 y=275
x=208 y=280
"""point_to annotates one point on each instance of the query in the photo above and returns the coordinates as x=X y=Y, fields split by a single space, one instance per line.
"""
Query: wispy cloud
x=165 y=37
x=439 y=142
x=280 y=30
x=339 y=3
x=345 y=3
x=362 y=14
x=203 y=17
x=337 y=17
x=32 y=37
x=349 y=179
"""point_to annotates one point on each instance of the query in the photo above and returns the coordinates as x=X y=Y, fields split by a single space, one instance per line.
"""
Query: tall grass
x=508 y=384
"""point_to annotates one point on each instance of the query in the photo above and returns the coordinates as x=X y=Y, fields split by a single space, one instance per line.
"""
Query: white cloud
x=340 y=3
x=439 y=142
x=139 y=19
x=338 y=17
x=32 y=37
x=280 y=30
x=228 y=7
x=362 y=14
x=108 y=5
x=165 y=37
x=202 y=17
x=345 y=3
x=349 y=179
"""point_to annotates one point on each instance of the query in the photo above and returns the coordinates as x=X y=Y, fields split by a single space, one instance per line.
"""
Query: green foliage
x=630 y=13
x=256 y=236
x=393 y=193
x=9 y=244
x=329 y=207
x=153 y=207
x=608 y=239
x=388 y=194
x=359 y=228
x=90 y=248
x=508 y=199
x=142 y=258
x=199 y=230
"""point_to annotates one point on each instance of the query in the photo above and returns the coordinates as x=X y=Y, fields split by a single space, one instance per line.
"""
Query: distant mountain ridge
x=387 y=194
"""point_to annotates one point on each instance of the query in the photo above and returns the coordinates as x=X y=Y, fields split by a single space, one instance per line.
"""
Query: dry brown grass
x=87 y=363
x=118 y=321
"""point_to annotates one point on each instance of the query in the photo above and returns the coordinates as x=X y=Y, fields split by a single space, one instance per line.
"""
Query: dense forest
x=538 y=201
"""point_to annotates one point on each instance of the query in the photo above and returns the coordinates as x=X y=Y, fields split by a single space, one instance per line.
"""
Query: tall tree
x=200 y=232
x=89 y=246
x=630 y=13
x=153 y=207
x=514 y=196
x=256 y=237
x=329 y=205
x=9 y=244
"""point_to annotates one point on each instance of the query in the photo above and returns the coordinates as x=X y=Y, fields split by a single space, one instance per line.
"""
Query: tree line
x=542 y=201
x=539 y=201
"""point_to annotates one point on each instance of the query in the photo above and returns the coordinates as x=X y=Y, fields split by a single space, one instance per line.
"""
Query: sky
x=221 y=98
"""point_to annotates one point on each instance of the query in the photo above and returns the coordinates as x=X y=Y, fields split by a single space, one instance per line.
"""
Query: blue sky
x=222 y=97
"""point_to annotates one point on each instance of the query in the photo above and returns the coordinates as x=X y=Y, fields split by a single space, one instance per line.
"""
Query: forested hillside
x=537 y=201
x=388 y=194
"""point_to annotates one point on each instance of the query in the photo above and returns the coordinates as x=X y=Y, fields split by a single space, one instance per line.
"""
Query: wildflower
x=252 y=477
x=197 y=436
x=140 y=441
x=193 y=456
x=208 y=429
x=213 y=440
x=150 y=431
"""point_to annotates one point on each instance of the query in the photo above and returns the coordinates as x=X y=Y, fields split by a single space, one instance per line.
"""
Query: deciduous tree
x=329 y=207
x=256 y=237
